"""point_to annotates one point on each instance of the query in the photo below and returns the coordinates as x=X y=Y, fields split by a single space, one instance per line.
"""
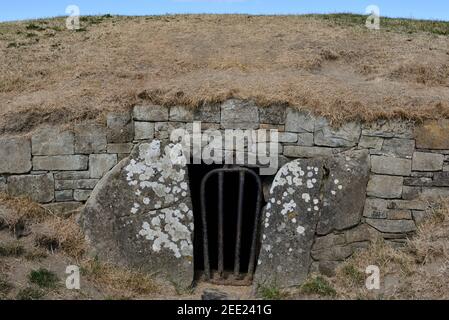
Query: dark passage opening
x=230 y=217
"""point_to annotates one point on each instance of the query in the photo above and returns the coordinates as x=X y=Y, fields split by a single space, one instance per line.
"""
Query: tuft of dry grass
x=119 y=280
x=331 y=65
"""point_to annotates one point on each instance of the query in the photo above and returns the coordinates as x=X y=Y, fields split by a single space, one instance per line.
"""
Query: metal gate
x=236 y=278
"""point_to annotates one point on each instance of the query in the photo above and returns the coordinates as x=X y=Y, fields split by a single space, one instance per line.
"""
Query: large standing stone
x=237 y=114
x=52 y=141
x=39 y=188
x=15 y=155
x=388 y=187
x=140 y=214
x=423 y=161
x=62 y=163
x=433 y=134
x=390 y=165
x=344 y=191
x=345 y=136
x=289 y=223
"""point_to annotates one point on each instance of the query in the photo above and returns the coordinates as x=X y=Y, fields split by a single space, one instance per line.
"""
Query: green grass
x=11 y=250
x=30 y=294
x=43 y=278
x=319 y=286
x=355 y=276
x=389 y=24
x=272 y=292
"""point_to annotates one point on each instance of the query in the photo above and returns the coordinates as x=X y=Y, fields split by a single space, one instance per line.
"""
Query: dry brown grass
x=420 y=269
x=340 y=70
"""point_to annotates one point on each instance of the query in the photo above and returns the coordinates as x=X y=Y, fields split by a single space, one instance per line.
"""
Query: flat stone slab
x=39 y=188
x=60 y=163
x=424 y=161
x=345 y=136
x=237 y=114
x=433 y=134
x=382 y=186
x=15 y=155
x=289 y=224
x=140 y=213
x=52 y=141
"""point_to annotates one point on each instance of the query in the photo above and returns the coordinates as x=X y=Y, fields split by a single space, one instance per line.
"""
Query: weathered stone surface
x=417 y=181
x=289 y=223
x=15 y=155
x=435 y=193
x=399 y=214
x=120 y=148
x=345 y=191
x=99 y=164
x=39 y=188
x=120 y=128
x=305 y=139
x=180 y=113
x=328 y=241
x=441 y=179
x=81 y=195
x=237 y=114
x=75 y=184
x=399 y=147
x=150 y=113
x=143 y=130
x=2 y=184
x=207 y=113
x=60 y=163
x=71 y=175
x=390 y=165
x=299 y=121
x=64 y=195
x=274 y=114
x=345 y=136
x=420 y=216
x=392 y=226
x=288 y=137
x=367 y=142
x=63 y=209
x=90 y=138
x=407 y=204
x=410 y=193
x=424 y=161
x=388 y=187
x=336 y=253
x=146 y=201
x=375 y=208
x=433 y=134
x=328 y=268
x=52 y=141
x=361 y=233
x=389 y=129
x=307 y=152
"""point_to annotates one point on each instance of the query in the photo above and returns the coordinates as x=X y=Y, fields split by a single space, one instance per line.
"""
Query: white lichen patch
x=300 y=230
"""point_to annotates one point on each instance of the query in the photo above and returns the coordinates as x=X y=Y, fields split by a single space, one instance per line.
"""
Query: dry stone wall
x=407 y=163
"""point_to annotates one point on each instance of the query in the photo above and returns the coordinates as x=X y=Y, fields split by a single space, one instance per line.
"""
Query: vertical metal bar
x=252 y=258
x=205 y=236
x=220 y=223
x=238 y=237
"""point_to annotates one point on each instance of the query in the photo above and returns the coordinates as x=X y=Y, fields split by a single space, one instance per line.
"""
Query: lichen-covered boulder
x=289 y=223
x=140 y=213
x=344 y=192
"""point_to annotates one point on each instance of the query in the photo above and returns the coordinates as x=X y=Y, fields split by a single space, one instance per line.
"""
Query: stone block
x=119 y=128
x=237 y=114
x=90 y=138
x=208 y=113
x=307 y=152
x=120 y=148
x=345 y=136
x=410 y=193
x=336 y=253
x=99 y=164
x=39 y=188
x=367 y=142
x=52 y=141
x=433 y=134
x=399 y=214
x=391 y=166
x=399 y=147
x=299 y=121
x=181 y=113
x=361 y=233
x=388 y=187
x=407 y=204
x=288 y=137
x=424 y=161
x=64 y=195
x=150 y=113
x=389 y=129
x=143 y=130
x=441 y=179
x=392 y=226
x=15 y=155
x=305 y=139
x=417 y=181
x=274 y=114
x=435 y=193
x=375 y=208
x=71 y=175
x=81 y=195
x=60 y=163
x=328 y=241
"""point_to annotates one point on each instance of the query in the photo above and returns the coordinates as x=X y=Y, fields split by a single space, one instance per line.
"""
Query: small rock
x=210 y=294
